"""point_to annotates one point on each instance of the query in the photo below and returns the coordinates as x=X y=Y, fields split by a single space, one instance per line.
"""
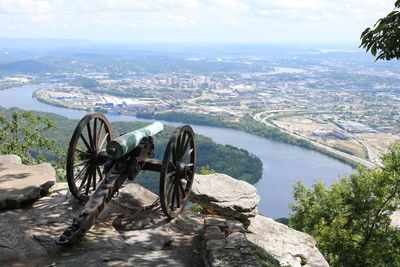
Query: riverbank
x=249 y=125
x=283 y=164
x=246 y=123
x=36 y=95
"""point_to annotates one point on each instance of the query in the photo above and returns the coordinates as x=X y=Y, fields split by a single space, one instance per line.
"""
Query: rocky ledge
x=222 y=195
x=20 y=184
x=132 y=230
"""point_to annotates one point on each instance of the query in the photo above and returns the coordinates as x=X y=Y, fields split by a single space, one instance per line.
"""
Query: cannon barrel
x=124 y=144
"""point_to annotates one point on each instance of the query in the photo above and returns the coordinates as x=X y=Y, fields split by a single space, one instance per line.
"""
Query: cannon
x=98 y=165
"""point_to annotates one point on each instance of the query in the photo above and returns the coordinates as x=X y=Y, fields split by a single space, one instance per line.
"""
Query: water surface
x=283 y=164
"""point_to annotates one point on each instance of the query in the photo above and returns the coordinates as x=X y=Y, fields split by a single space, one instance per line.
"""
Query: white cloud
x=234 y=5
x=240 y=20
x=24 y=6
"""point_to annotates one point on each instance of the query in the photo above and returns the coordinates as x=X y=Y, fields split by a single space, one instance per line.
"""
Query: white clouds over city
x=192 y=20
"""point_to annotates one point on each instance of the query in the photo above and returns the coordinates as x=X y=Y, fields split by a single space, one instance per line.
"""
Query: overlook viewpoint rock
x=132 y=230
x=20 y=184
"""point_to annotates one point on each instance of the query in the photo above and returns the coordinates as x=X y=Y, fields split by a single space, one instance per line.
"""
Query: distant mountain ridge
x=26 y=66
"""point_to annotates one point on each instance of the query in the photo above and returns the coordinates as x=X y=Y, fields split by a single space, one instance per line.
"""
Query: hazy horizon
x=192 y=21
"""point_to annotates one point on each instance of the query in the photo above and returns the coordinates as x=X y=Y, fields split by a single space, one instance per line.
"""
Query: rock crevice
x=285 y=246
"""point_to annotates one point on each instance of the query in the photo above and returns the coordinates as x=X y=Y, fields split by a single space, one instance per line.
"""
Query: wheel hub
x=99 y=156
x=181 y=170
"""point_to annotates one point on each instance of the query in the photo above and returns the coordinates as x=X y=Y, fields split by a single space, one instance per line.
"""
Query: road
x=361 y=161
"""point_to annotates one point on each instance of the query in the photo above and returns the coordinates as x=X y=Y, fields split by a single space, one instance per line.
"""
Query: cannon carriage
x=98 y=165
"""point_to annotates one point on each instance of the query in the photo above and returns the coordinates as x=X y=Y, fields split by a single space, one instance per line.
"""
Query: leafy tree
x=383 y=40
x=196 y=208
x=23 y=134
x=206 y=170
x=84 y=82
x=350 y=220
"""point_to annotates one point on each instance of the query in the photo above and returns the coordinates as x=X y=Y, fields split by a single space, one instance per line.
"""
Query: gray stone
x=213 y=232
x=232 y=250
x=7 y=159
x=21 y=184
x=239 y=239
x=246 y=250
x=136 y=197
x=215 y=221
x=133 y=231
x=214 y=244
x=27 y=236
x=288 y=246
x=233 y=226
x=225 y=196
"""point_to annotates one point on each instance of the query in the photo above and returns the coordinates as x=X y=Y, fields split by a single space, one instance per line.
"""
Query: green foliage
x=23 y=133
x=84 y=82
x=7 y=86
x=206 y=170
x=50 y=142
x=283 y=220
x=350 y=220
x=196 y=208
x=383 y=40
x=230 y=160
x=265 y=259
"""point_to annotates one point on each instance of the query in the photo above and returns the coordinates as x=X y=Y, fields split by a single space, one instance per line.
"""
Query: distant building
x=330 y=133
x=353 y=127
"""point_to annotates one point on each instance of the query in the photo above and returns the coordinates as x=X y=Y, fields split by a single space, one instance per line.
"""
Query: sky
x=193 y=21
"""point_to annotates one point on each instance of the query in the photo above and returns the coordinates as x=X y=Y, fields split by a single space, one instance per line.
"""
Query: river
x=283 y=164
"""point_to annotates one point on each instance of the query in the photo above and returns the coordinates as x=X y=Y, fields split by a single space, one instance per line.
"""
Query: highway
x=366 y=163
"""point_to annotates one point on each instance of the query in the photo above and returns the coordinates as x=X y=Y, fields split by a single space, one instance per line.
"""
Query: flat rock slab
x=28 y=234
x=288 y=246
x=225 y=196
x=7 y=159
x=21 y=184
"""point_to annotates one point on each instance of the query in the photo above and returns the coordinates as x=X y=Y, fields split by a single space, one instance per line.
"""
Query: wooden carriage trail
x=97 y=167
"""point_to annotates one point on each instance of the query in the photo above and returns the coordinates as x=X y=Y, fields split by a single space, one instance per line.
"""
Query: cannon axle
x=97 y=167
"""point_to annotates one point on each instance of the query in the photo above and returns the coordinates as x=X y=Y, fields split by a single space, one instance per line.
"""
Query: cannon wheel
x=84 y=164
x=177 y=171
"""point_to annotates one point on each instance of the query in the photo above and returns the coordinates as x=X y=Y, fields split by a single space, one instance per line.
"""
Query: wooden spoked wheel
x=86 y=155
x=177 y=171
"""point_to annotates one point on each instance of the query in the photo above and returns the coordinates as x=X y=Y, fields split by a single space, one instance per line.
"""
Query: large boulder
x=288 y=246
x=7 y=159
x=21 y=184
x=223 y=195
x=233 y=199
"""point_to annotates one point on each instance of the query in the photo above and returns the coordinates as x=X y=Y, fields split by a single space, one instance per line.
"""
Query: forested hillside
x=227 y=159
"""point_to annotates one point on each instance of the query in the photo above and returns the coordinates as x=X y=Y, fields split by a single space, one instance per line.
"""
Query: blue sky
x=192 y=20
